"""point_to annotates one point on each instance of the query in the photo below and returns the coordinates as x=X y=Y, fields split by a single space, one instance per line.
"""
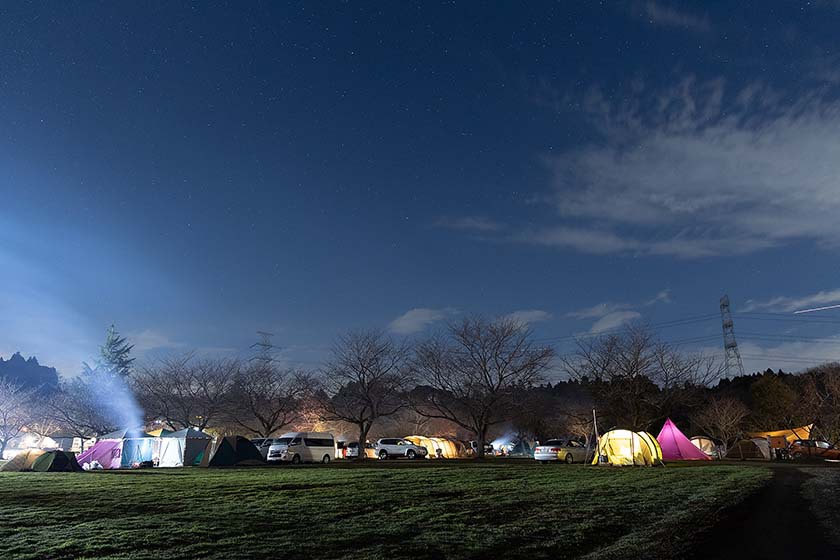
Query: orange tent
x=803 y=432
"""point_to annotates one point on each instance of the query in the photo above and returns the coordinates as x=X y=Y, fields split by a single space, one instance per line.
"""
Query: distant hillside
x=29 y=372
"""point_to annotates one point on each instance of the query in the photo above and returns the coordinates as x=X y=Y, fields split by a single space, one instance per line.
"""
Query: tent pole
x=597 y=437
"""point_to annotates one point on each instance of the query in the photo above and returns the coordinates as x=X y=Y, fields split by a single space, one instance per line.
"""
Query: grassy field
x=429 y=510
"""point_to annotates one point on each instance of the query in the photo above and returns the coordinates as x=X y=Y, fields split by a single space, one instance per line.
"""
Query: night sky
x=196 y=173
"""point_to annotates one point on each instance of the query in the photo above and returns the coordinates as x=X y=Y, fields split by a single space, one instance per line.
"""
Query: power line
x=672 y=323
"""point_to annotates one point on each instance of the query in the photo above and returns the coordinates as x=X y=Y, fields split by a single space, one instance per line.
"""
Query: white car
x=567 y=450
x=391 y=448
x=352 y=450
x=302 y=447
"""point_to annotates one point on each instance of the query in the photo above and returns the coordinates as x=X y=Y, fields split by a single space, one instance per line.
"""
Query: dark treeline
x=478 y=379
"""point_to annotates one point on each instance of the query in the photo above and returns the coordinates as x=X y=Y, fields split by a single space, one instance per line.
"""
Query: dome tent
x=56 y=461
x=708 y=446
x=183 y=448
x=22 y=461
x=676 y=447
x=449 y=448
x=232 y=451
x=756 y=448
x=624 y=447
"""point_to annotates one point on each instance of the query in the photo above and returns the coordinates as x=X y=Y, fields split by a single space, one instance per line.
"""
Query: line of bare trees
x=478 y=378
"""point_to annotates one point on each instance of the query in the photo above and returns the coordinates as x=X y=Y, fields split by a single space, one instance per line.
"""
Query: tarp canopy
x=756 y=448
x=802 y=432
x=183 y=448
x=449 y=448
x=56 y=461
x=22 y=461
x=708 y=446
x=675 y=446
x=624 y=447
x=233 y=450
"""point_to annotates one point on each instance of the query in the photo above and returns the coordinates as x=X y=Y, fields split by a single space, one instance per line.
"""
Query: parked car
x=391 y=448
x=302 y=447
x=353 y=450
x=813 y=449
x=488 y=449
x=263 y=445
x=567 y=450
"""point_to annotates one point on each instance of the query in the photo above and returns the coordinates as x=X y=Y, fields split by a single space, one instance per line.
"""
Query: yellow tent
x=159 y=432
x=803 y=432
x=22 y=461
x=623 y=447
x=449 y=448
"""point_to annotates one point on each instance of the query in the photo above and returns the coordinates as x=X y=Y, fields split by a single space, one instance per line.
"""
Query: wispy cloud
x=614 y=320
x=660 y=14
x=611 y=315
x=790 y=304
x=699 y=171
x=598 y=310
x=663 y=296
x=477 y=224
x=150 y=339
x=529 y=316
x=418 y=319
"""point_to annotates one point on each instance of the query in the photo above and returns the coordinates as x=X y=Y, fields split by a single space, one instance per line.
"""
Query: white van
x=303 y=447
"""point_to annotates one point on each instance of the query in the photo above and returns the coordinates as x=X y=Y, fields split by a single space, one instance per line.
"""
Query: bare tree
x=820 y=399
x=638 y=379
x=723 y=418
x=365 y=380
x=186 y=392
x=16 y=404
x=477 y=373
x=76 y=408
x=266 y=398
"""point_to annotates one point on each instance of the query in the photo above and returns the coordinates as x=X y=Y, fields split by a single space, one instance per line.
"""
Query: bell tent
x=22 y=461
x=756 y=448
x=56 y=461
x=183 y=448
x=624 y=447
x=676 y=447
x=231 y=451
x=708 y=446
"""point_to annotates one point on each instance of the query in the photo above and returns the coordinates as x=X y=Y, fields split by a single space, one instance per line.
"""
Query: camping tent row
x=132 y=448
x=42 y=461
x=625 y=447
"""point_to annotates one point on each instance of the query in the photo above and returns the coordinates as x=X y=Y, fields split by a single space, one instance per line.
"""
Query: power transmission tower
x=264 y=348
x=730 y=345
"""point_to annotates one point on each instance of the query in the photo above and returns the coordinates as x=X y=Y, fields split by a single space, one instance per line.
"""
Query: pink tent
x=676 y=447
x=107 y=452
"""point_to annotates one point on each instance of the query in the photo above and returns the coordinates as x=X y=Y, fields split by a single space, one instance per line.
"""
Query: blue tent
x=136 y=450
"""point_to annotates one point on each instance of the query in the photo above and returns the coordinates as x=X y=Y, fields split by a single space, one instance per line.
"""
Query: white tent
x=184 y=447
x=708 y=446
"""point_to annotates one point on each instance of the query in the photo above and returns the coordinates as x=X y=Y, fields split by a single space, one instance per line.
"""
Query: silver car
x=567 y=450
x=391 y=448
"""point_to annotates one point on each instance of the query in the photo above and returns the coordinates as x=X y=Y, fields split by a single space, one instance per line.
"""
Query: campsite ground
x=499 y=508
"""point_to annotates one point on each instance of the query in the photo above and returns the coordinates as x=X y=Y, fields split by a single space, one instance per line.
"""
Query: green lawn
x=432 y=510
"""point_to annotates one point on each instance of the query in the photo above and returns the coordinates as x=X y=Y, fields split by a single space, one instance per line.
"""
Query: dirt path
x=776 y=522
